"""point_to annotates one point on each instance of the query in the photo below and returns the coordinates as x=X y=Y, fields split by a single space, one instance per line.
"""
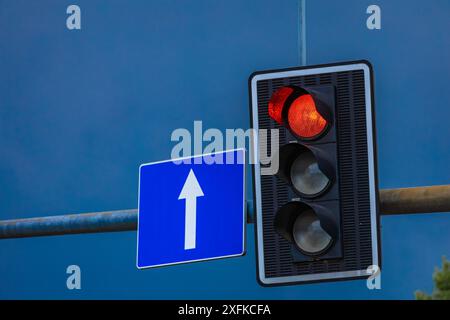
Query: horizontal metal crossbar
x=392 y=201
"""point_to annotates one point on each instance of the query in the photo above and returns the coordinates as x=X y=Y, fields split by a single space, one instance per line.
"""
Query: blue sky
x=81 y=110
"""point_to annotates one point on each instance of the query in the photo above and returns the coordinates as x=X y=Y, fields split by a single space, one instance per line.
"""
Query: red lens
x=276 y=103
x=304 y=119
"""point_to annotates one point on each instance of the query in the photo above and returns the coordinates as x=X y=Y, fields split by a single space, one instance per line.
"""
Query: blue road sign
x=191 y=209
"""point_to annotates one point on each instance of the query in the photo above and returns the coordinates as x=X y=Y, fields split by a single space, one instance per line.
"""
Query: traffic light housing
x=317 y=213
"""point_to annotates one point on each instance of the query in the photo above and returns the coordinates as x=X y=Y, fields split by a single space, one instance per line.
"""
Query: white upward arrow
x=191 y=190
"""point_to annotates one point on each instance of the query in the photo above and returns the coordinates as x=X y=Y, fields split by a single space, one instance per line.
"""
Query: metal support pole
x=95 y=222
x=415 y=200
x=392 y=201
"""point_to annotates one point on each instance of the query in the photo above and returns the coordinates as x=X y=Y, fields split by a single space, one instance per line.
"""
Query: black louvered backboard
x=356 y=167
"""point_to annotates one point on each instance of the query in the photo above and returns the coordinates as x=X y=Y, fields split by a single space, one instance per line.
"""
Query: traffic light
x=317 y=210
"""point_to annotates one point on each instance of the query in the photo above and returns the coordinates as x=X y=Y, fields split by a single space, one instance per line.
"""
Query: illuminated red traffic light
x=277 y=102
x=298 y=108
x=304 y=119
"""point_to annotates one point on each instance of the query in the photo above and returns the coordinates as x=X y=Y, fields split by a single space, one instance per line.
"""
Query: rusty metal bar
x=109 y=221
x=392 y=201
x=415 y=200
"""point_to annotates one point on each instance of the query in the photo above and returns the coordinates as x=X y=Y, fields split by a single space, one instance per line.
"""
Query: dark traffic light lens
x=304 y=119
x=306 y=176
x=309 y=235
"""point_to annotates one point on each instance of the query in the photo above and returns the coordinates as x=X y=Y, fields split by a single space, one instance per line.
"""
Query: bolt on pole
x=392 y=201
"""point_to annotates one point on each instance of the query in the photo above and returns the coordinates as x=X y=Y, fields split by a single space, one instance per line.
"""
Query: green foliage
x=441 y=280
